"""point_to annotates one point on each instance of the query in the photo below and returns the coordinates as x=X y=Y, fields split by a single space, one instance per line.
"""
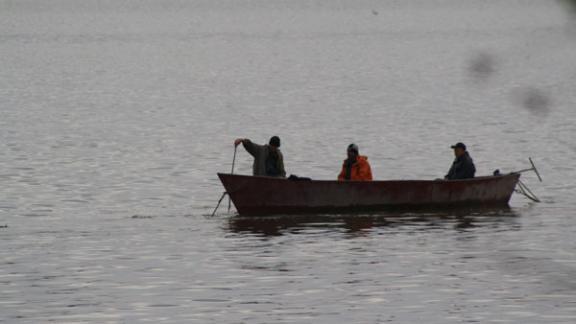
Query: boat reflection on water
x=363 y=224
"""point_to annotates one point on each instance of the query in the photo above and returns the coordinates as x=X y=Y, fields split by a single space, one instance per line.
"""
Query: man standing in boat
x=268 y=160
x=463 y=166
x=355 y=167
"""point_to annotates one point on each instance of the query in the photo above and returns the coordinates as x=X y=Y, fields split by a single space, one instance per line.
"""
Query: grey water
x=115 y=117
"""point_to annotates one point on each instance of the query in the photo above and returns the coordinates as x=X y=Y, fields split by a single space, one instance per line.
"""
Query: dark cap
x=459 y=145
x=353 y=147
x=274 y=141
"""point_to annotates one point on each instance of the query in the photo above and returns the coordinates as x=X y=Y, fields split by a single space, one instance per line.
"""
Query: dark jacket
x=462 y=168
x=267 y=162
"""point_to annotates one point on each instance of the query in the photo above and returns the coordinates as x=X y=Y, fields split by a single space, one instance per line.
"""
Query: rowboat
x=253 y=195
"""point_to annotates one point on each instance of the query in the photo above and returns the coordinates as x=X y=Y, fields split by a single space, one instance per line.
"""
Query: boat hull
x=271 y=196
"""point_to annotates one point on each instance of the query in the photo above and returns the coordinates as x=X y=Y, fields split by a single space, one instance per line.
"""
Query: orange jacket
x=360 y=170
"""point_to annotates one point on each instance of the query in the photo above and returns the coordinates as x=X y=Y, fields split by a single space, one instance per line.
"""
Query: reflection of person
x=356 y=166
x=463 y=166
x=268 y=160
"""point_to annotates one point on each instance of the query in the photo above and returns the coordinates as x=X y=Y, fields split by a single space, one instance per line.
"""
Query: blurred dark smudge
x=482 y=66
x=534 y=100
x=570 y=4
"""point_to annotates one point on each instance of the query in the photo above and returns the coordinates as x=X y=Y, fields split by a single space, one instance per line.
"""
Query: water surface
x=116 y=115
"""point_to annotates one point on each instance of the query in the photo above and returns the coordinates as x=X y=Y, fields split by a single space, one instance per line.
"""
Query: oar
x=225 y=193
x=232 y=172
x=523 y=188
x=218 y=205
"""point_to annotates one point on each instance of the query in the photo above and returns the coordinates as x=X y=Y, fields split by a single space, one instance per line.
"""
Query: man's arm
x=342 y=175
x=468 y=170
x=365 y=172
x=248 y=145
x=464 y=170
x=451 y=173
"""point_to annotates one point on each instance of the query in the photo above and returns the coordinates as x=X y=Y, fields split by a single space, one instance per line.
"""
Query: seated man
x=355 y=167
x=463 y=166
x=268 y=160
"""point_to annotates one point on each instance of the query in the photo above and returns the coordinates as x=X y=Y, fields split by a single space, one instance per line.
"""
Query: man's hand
x=238 y=141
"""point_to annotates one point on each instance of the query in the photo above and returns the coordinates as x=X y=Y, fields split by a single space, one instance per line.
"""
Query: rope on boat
x=526 y=192
x=523 y=188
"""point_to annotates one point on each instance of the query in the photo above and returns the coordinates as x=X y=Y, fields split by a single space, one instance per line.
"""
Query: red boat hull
x=271 y=196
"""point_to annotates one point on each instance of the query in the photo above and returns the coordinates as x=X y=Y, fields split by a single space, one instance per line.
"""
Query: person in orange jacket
x=355 y=167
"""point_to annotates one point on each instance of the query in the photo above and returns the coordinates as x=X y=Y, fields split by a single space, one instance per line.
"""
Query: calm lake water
x=116 y=115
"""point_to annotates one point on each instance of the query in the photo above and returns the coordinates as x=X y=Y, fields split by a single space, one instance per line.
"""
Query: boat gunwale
x=475 y=179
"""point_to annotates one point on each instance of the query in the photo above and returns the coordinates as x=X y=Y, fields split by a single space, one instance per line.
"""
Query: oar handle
x=232 y=172
x=234 y=160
